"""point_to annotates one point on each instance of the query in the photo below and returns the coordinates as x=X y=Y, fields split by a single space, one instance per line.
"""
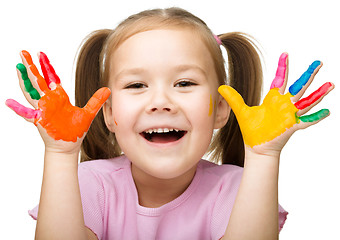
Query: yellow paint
x=211 y=106
x=260 y=124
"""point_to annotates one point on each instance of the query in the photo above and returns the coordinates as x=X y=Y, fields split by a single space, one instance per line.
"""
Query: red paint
x=315 y=96
x=48 y=70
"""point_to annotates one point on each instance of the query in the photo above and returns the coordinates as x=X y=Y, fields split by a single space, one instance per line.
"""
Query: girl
x=158 y=74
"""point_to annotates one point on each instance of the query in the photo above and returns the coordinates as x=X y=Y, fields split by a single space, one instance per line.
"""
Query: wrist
x=270 y=159
x=66 y=159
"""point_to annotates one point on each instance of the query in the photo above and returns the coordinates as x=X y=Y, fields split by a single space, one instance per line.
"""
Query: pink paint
x=280 y=72
x=315 y=96
x=22 y=110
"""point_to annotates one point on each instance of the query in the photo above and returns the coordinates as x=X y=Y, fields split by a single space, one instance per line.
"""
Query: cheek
x=127 y=113
x=123 y=111
x=207 y=105
x=122 y=121
x=202 y=110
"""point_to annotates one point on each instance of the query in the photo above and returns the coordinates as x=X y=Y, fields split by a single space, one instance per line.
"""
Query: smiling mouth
x=163 y=135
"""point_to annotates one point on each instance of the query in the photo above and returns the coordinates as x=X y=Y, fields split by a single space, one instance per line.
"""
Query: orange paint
x=27 y=57
x=40 y=80
x=55 y=113
x=63 y=121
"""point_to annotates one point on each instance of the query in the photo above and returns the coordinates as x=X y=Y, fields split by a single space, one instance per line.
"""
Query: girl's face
x=164 y=103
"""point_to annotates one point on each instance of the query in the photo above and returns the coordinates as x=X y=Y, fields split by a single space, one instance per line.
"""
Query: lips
x=163 y=135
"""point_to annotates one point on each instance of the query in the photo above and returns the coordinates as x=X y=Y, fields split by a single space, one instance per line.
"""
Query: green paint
x=315 y=116
x=27 y=82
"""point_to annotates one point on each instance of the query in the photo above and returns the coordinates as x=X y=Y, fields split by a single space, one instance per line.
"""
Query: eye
x=136 y=86
x=185 y=83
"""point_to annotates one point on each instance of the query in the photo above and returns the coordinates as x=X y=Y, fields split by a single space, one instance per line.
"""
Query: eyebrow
x=186 y=67
x=130 y=71
x=177 y=69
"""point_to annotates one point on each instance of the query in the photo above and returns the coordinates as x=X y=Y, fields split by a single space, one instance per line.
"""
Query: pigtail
x=99 y=141
x=244 y=75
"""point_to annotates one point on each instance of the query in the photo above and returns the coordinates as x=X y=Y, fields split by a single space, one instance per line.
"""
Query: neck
x=155 y=192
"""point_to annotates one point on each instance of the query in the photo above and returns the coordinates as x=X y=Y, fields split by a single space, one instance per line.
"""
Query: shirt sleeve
x=225 y=202
x=282 y=217
x=92 y=197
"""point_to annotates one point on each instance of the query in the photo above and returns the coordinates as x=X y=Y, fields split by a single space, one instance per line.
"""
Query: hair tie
x=218 y=40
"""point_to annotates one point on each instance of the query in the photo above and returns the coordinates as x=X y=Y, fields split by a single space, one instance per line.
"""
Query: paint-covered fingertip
x=21 y=67
x=316 y=64
x=283 y=56
x=329 y=86
x=221 y=88
x=233 y=98
x=104 y=93
x=281 y=72
x=224 y=90
x=43 y=57
x=283 y=60
x=97 y=100
x=323 y=113
x=9 y=102
x=47 y=69
x=25 y=54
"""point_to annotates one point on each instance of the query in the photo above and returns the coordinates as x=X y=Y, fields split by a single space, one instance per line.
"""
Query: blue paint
x=298 y=85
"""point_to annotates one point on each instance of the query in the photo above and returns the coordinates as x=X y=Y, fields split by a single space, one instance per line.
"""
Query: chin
x=166 y=168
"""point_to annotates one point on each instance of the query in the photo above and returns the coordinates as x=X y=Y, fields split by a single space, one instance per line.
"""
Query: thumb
x=233 y=98
x=97 y=100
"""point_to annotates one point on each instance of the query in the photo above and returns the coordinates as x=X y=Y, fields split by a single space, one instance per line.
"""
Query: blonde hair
x=93 y=65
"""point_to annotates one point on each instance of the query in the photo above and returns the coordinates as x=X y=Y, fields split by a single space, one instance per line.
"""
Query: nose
x=161 y=101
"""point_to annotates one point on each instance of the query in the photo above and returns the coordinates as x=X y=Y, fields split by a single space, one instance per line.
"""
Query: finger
x=25 y=83
x=97 y=100
x=280 y=80
x=30 y=115
x=33 y=73
x=233 y=98
x=305 y=104
x=315 y=117
x=48 y=70
x=298 y=88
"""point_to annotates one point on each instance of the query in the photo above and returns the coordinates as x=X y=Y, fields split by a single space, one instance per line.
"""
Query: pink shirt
x=111 y=209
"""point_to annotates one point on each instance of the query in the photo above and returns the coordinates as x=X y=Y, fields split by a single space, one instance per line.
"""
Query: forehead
x=159 y=48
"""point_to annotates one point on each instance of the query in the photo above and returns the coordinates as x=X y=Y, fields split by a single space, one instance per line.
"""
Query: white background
x=307 y=30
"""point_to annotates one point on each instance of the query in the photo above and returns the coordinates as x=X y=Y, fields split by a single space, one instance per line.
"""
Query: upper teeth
x=160 y=130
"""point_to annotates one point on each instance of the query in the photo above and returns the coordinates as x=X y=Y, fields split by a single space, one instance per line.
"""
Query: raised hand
x=52 y=108
x=280 y=115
